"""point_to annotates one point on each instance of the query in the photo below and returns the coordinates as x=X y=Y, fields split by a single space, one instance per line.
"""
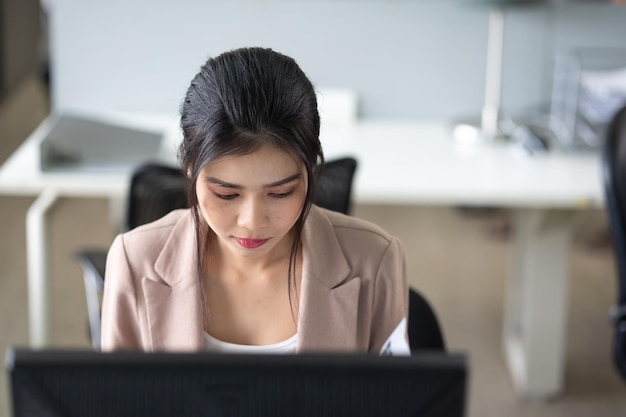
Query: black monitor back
x=81 y=383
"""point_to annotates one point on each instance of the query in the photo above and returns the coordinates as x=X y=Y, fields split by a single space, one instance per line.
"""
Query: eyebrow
x=225 y=184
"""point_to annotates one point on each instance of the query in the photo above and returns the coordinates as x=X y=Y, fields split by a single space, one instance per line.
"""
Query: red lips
x=251 y=243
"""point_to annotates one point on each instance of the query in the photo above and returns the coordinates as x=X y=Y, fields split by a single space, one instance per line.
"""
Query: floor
x=457 y=258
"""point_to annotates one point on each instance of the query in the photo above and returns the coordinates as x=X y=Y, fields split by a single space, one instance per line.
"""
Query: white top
x=287 y=346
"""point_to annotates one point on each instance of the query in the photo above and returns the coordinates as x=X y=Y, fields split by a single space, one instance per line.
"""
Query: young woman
x=253 y=265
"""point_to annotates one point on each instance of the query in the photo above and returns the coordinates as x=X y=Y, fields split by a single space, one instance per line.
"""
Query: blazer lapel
x=173 y=303
x=328 y=300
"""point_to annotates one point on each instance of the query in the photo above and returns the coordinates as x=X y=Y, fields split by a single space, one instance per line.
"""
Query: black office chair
x=423 y=326
x=334 y=186
x=155 y=190
x=614 y=173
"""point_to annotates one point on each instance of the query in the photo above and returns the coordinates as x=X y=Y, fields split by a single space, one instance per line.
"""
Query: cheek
x=210 y=208
x=291 y=211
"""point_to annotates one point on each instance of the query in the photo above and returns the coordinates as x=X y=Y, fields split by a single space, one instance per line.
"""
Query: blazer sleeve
x=120 y=319
x=391 y=303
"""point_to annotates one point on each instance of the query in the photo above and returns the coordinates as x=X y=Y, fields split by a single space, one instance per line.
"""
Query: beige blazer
x=354 y=286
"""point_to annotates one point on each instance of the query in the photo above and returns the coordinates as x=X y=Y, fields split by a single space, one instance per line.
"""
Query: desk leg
x=536 y=307
x=37 y=264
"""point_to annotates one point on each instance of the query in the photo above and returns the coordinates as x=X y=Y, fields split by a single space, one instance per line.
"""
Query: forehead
x=265 y=164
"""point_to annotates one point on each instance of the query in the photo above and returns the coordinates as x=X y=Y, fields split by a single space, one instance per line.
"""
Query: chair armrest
x=93 y=262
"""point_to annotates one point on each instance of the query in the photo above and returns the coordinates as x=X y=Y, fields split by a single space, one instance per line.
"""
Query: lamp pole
x=486 y=127
x=490 y=116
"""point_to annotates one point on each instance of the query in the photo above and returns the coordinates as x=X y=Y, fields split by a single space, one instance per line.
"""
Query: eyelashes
x=281 y=195
x=233 y=196
x=225 y=196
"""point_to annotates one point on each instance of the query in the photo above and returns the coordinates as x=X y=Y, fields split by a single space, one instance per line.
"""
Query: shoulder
x=162 y=225
x=349 y=229
x=149 y=240
x=340 y=238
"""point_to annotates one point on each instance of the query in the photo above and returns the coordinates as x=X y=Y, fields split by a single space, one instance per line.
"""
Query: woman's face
x=252 y=202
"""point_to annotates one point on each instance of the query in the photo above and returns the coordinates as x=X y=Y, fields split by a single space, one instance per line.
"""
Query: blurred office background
x=405 y=59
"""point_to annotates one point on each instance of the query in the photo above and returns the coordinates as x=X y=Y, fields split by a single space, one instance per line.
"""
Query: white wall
x=405 y=58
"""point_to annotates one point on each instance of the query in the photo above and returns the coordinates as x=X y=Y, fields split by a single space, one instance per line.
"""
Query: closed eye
x=226 y=196
x=281 y=195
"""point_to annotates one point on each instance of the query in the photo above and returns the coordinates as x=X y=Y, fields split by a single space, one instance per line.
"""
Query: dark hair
x=238 y=102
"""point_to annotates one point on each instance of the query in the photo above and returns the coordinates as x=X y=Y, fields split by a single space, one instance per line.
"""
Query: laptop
x=85 y=144
x=79 y=383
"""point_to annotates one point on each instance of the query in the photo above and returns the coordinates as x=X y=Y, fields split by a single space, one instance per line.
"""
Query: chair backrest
x=614 y=174
x=334 y=187
x=155 y=190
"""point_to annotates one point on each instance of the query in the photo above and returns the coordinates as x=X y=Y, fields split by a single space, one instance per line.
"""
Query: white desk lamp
x=487 y=128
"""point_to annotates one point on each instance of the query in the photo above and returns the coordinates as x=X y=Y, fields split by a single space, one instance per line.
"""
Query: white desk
x=401 y=163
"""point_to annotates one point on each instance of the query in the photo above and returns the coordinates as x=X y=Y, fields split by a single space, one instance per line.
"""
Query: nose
x=253 y=214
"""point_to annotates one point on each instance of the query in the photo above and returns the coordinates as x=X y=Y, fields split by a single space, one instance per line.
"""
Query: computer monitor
x=87 y=383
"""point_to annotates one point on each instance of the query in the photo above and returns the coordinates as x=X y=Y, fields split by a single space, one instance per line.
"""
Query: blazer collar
x=173 y=302
x=177 y=259
x=328 y=299
x=323 y=257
